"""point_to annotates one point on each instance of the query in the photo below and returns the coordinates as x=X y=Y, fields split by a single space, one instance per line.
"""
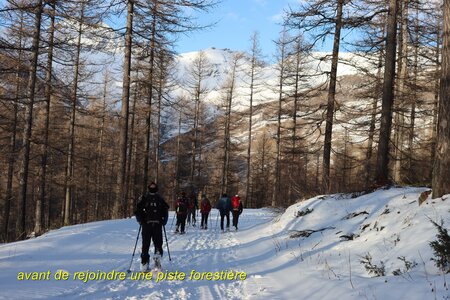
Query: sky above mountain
x=235 y=21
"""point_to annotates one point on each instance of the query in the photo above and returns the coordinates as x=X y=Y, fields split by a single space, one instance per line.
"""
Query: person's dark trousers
x=204 y=220
x=193 y=217
x=189 y=213
x=222 y=216
x=151 y=232
x=235 y=218
x=181 y=221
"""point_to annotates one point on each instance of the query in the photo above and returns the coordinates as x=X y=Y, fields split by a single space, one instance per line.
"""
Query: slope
x=311 y=251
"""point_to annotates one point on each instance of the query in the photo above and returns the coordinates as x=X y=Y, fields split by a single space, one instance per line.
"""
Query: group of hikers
x=186 y=208
x=152 y=213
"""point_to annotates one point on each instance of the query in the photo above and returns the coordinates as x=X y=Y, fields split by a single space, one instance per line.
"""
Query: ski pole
x=167 y=243
x=137 y=238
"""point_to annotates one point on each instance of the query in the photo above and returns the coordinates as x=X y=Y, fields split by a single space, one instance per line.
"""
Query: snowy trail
x=107 y=246
x=387 y=224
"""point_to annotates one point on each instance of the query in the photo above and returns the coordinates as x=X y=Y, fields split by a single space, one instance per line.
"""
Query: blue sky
x=236 y=22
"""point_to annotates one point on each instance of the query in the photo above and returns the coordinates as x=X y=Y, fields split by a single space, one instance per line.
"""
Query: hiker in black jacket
x=152 y=213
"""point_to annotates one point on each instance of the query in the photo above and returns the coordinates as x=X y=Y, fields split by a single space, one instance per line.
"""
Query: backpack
x=181 y=207
x=235 y=202
x=151 y=207
x=205 y=206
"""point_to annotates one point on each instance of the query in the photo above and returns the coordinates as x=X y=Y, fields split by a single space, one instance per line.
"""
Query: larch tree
x=441 y=169
x=382 y=166
x=254 y=77
x=119 y=204
x=21 y=229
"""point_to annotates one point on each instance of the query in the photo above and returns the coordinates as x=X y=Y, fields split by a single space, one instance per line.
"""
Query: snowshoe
x=157 y=259
x=144 y=267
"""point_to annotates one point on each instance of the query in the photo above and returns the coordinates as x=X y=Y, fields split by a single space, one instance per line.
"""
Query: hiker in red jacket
x=236 y=205
x=205 y=208
x=181 y=210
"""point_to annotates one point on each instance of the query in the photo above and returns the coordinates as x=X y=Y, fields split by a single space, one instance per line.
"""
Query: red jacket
x=205 y=206
x=235 y=201
x=181 y=206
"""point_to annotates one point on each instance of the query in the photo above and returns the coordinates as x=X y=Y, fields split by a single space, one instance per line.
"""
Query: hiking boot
x=144 y=267
x=157 y=260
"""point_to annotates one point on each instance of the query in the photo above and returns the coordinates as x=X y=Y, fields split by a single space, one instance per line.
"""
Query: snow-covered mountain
x=327 y=247
x=220 y=61
x=267 y=81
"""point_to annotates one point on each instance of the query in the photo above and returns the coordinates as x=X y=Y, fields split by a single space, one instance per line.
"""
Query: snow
x=386 y=224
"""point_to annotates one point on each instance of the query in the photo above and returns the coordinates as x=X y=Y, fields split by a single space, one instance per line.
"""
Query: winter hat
x=152 y=187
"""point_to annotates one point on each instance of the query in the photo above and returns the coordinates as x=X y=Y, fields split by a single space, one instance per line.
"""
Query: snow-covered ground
x=388 y=225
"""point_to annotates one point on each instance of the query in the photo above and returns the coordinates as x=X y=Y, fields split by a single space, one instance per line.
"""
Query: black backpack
x=152 y=208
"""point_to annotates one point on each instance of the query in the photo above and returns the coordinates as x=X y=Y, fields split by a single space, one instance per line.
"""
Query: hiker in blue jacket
x=224 y=207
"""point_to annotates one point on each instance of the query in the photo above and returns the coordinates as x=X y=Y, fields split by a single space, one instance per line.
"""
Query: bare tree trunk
x=295 y=163
x=200 y=69
x=195 y=132
x=201 y=141
x=128 y=186
x=149 y=102
x=26 y=141
x=400 y=101
x=282 y=68
x=317 y=169
x=177 y=162
x=441 y=170
x=414 y=98
x=331 y=99
x=227 y=142
x=48 y=92
x=382 y=172
x=373 y=120
x=254 y=51
x=436 y=98
x=158 y=114
x=226 y=154
x=100 y=155
x=12 y=143
x=346 y=167
x=120 y=203
x=70 y=153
